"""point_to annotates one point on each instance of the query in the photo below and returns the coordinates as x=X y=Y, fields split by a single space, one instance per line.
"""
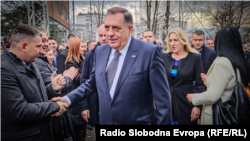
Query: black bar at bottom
x=135 y=132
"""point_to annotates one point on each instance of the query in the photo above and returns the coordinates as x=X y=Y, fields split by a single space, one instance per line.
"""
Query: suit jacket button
x=112 y=107
x=114 y=122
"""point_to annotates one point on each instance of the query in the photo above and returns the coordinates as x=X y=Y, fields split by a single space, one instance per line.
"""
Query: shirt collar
x=26 y=64
x=56 y=54
x=124 y=50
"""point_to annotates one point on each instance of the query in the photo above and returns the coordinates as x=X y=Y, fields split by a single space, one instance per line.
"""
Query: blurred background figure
x=62 y=56
x=91 y=45
x=61 y=47
x=90 y=112
x=148 y=36
x=52 y=43
x=210 y=43
x=246 y=52
x=245 y=48
x=159 y=42
x=65 y=46
x=207 y=54
x=75 y=59
x=50 y=57
x=85 y=49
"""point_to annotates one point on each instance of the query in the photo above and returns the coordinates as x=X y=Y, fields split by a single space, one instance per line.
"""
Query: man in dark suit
x=63 y=55
x=25 y=106
x=129 y=76
x=90 y=107
x=207 y=54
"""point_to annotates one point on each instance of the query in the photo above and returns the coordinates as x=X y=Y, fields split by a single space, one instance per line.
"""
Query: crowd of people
x=55 y=92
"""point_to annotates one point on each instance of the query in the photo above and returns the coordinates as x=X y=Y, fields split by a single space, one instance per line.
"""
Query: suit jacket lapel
x=127 y=64
x=104 y=59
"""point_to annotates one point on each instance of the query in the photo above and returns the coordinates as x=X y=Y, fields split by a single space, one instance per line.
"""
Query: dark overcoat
x=189 y=70
x=25 y=108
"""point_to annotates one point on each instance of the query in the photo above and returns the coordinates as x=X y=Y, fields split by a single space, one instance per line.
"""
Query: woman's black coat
x=189 y=70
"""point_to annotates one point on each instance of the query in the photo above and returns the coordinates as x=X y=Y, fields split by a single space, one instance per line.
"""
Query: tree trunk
x=155 y=17
x=166 y=23
x=148 y=3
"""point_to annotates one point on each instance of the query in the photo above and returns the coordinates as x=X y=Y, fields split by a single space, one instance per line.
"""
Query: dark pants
x=81 y=135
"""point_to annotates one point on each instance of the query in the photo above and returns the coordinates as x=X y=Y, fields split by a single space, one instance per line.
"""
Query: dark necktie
x=111 y=71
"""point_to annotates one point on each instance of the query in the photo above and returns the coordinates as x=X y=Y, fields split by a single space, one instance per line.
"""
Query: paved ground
x=90 y=136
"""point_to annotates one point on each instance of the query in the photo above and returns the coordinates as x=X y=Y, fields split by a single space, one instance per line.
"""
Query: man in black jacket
x=63 y=55
x=90 y=106
x=207 y=54
x=26 y=108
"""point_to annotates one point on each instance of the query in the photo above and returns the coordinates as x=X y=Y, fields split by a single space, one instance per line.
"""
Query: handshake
x=61 y=101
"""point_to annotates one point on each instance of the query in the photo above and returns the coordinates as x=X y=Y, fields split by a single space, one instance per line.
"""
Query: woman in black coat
x=183 y=68
x=75 y=59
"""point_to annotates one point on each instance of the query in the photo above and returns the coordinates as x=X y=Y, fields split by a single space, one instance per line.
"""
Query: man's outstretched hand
x=62 y=103
x=71 y=72
x=57 y=82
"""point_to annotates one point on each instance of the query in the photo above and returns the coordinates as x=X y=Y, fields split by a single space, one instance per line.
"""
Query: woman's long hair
x=228 y=44
x=182 y=37
x=74 y=51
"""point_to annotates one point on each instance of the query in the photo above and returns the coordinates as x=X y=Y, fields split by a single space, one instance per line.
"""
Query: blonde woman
x=183 y=66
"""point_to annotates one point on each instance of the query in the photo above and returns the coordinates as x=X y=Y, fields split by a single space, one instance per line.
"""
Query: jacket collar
x=16 y=62
x=44 y=58
x=203 y=48
x=156 y=43
x=98 y=44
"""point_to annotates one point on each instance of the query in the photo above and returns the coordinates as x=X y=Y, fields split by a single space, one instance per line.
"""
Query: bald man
x=102 y=35
x=90 y=112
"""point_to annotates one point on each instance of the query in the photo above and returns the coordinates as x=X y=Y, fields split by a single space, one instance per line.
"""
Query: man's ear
x=130 y=29
x=24 y=46
x=154 y=37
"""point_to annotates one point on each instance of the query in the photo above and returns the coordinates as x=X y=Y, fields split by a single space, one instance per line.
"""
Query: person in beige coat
x=220 y=79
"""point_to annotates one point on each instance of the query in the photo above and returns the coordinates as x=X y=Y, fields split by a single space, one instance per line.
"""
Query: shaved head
x=26 y=42
x=101 y=27
x=23 y=33
x=102 y=34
